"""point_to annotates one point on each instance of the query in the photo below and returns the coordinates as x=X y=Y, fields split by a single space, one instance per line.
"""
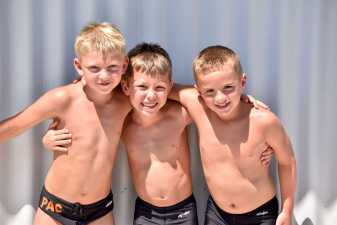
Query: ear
x=243 y=80
x=171 y=84
x=125 y=87
x=78 y=67
x=125 y=64
x=197 y=88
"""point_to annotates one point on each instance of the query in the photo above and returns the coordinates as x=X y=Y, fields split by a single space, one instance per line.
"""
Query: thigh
x=107 y=219
x=41 y=218
x=145 y=220
x=212 y=216
x=185 y=216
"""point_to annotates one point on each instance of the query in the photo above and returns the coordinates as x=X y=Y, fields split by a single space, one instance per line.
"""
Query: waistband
x=50 y=203
x=176 y=206
x=271 y=205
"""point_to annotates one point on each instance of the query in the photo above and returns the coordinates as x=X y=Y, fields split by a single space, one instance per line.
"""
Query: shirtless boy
x=154 y=134
x=232 y=136
x=94 y=111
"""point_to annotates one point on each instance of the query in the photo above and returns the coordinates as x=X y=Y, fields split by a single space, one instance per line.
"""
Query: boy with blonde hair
x=232 y=136
x=77 y=188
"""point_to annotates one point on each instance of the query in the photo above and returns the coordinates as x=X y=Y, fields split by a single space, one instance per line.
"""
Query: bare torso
x=84 y=173
x=159 y=157
x=230 y=156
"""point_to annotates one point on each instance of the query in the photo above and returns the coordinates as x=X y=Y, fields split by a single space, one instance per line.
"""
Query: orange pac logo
x=49 y=205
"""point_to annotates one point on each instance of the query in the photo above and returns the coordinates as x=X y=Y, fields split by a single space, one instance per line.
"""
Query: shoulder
x=177 y=111
x=268 y=121
x=264 y=116
x=121 y=98
x=173 y=108
x=60 y=96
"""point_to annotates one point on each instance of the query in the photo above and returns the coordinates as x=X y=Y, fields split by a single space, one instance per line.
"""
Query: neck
x=96 y=98
x=145 y=120
x=235 y=114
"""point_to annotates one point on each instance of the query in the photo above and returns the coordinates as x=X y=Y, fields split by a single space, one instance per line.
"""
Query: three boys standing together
x=94 y=113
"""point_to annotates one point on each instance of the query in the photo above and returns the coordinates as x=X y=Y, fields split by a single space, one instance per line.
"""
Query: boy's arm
x=47 y=106
x=277 y=138
x=179 y=92
x=185 y=93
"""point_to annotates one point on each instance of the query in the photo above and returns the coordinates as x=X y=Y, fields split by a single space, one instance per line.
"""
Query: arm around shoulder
x=278 y=139
x=47 y=106
x=184 y=94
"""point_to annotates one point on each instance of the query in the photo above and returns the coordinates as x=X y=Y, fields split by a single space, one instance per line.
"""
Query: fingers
x=245 y=98
x=60 y=148
x=63 y=131
x=267 y=153
x=76 y=80
x=265 y=162
x=262 y=105
x=63 y=142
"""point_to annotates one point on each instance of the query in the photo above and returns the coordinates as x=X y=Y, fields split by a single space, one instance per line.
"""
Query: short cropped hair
x=101 y=37
x=149 y=58
x=213 y=58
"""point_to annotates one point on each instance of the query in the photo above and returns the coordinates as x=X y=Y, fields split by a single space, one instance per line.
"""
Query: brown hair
x=213 y=58
x=149 y=58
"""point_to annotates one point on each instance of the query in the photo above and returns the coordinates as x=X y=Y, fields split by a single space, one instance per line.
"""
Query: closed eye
x=160 y=88
x=209 y=91
x=141 y=87
x=94 y=69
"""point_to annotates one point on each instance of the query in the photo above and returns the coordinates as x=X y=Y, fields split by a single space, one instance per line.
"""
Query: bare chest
x=241 y=145
x=93 y=127
x=162 y=139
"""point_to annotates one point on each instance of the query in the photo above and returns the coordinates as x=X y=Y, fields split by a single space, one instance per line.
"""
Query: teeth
x=149 y=105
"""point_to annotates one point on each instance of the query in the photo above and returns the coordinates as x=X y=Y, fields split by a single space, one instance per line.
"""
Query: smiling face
x=147 y=93
x=221 y=90
x=101 y=73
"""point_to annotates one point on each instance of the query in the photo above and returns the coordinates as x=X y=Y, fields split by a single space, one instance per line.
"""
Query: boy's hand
x=283 y=219
x=56 y=140
x=77 y=80
x=266 y=156
x=254 y=102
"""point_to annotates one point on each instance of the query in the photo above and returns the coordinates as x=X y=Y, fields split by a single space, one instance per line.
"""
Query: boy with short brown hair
x=232 y=136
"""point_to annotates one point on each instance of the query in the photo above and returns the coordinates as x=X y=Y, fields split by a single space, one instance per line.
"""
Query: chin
x=150 y=113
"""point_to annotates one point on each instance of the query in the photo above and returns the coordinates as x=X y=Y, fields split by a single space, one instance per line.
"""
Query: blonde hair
x=213 y=58
x=101 y=37
x=149 y=58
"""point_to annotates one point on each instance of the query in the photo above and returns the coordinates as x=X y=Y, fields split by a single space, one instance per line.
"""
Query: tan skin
x=94 y=111
x=155 y=138
x=154 y=134
x=232 y=136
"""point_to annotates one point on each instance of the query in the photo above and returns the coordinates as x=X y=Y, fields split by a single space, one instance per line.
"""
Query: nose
x=151 y=95
x=104 y=75
x=220 y=98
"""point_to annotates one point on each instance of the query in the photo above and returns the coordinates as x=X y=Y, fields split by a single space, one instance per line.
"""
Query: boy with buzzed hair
x=232 y=136
x=77 y=188
x=155 y=138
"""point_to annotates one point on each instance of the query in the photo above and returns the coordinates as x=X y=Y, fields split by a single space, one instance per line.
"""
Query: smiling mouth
x=150 y=106
x=105 y=84
x=223 y=106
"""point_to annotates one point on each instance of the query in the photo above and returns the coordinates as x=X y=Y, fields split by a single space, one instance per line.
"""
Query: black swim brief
x=182 y=213
x=74 y=213
x=266 y=214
